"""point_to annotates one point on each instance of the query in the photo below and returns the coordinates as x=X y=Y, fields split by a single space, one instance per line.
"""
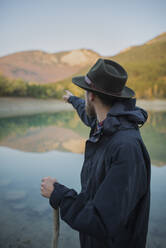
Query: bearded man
x=112 y=209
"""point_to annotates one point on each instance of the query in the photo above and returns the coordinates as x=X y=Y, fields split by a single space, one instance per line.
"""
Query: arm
x=79 y=105
x=119 y=193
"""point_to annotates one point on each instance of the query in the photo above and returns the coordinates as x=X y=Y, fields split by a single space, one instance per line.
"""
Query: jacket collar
x=122 y=115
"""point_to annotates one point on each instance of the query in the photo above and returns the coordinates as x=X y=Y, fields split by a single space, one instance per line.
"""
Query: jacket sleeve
x=79 y=105
x=116 y=197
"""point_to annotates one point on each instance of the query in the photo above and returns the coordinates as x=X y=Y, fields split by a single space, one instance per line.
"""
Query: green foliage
x=21 y=124
x=3 y=85
x=18 y=87
x=15 y=87
x=35 y=90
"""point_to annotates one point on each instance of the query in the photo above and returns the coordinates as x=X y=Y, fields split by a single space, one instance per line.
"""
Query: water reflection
x=65 y=132
x=44 y=132
x=26 y=216
x=154 y=135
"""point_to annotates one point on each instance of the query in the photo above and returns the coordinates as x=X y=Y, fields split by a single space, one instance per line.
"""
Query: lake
x=32 y=147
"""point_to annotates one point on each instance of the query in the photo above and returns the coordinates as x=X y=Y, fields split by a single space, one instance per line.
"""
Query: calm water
x=28 y=153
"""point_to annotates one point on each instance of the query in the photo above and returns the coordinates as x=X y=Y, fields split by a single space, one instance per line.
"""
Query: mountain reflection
x=64 y=131
x=44 y=132
x=154 y=135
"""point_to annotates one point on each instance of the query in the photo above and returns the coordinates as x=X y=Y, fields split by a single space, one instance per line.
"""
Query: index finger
x=67 y=91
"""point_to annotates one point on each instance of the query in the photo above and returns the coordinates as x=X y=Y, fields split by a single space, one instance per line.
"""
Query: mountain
x=145 y=64
x=42 y=67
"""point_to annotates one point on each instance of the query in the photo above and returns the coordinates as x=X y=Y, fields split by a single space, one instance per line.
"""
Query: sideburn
x=90 y=110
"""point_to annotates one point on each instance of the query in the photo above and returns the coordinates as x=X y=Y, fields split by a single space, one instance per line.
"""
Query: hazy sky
x=106 y=26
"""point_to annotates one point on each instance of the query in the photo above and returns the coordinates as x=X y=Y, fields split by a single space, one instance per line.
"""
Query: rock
x=79 y=57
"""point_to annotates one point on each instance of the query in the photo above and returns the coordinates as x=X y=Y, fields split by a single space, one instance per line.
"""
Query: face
x=90 y=110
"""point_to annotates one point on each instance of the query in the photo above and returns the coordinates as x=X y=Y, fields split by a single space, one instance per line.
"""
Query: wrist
x=57 y=194
x=69 y=100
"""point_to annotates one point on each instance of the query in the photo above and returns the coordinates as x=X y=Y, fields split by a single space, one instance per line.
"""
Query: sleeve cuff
x=57 y=194
x=71 y=99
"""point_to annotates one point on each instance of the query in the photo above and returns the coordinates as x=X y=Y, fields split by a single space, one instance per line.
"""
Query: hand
x=47 y=186
x=67 y=95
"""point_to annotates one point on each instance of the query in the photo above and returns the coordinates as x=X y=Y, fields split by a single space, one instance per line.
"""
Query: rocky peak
x=79 y=57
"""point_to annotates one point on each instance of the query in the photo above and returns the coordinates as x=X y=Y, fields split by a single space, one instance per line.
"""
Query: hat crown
x=108 y=75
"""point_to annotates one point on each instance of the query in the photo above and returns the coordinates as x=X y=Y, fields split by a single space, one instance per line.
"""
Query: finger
x=68 y=92
x=41 y=190
x=42 y=185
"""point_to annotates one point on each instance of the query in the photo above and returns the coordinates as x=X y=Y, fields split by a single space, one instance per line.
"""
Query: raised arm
x=79 y=105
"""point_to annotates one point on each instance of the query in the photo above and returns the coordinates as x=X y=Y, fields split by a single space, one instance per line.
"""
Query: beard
x=90 y=110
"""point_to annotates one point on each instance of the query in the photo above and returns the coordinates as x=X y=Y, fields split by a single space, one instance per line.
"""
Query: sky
x=105 y=26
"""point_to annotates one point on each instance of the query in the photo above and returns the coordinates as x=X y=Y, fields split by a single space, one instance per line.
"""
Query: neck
x=101 y=112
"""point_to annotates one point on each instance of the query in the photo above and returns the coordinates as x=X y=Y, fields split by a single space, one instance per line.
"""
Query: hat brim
x=80 y=82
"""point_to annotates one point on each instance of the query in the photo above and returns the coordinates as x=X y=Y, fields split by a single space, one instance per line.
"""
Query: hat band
x=87 y=80
x=92 y=86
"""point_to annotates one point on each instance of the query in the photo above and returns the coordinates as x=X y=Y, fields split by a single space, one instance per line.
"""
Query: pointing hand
x=67 y=95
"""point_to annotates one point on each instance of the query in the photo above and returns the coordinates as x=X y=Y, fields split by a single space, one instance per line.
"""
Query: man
x=112 y=209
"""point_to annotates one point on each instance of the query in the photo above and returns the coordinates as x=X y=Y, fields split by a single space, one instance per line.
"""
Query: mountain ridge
x=43 y=67
x=145 y=64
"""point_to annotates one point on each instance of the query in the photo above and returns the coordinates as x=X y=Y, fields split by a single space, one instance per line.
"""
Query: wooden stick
x=55 y=228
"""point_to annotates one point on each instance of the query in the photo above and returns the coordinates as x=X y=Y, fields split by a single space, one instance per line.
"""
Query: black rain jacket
x=112 y=209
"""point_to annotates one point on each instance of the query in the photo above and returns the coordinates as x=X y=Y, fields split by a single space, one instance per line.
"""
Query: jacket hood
x=124 y=115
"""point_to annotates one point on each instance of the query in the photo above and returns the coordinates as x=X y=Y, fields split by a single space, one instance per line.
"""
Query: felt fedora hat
x=106 y=77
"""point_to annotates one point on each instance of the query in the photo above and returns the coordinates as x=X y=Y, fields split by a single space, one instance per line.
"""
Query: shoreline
x=21 y=106
x=152 y=105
